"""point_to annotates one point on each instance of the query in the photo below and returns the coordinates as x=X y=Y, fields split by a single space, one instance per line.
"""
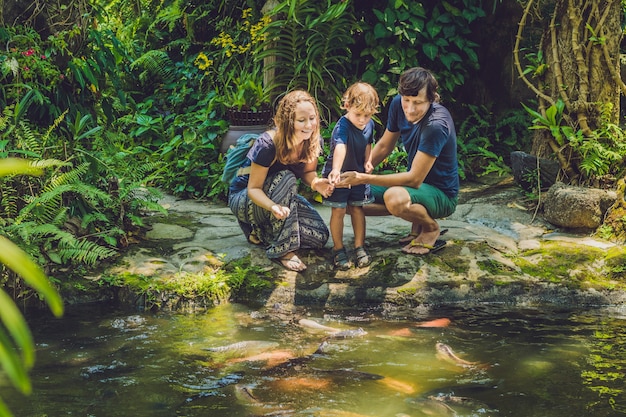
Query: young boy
x=350 y=147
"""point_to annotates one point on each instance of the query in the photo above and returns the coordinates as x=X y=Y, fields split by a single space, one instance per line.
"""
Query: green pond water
x=103 y=361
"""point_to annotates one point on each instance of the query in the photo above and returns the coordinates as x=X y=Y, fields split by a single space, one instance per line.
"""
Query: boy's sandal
x=363 y=259
x=409 y=238
x=340 y=259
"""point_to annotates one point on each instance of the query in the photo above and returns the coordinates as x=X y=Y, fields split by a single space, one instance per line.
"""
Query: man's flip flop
x=408 y=238
x=439 y=244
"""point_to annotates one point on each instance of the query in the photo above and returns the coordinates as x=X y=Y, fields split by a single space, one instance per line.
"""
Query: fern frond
x=83 y=251
x=3 y=122
x=70 y=177
x=157 y=64
x=29 y=141
x=8 y=199
x=41 y=209
x=50 y=163
x=49 y=231
x=93 y=217
x=47 y=203
x=54 y=125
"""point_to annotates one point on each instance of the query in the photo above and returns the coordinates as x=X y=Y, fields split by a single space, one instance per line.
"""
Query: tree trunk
x=580 y=47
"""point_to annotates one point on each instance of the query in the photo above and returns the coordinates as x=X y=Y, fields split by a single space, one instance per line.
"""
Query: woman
x=264 y=196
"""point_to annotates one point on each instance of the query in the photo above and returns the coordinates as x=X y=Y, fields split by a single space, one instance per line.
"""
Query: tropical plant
x=600 y=152
x=576 y=117
x=17 y=350
x=233 y=64
x=407 y=34
x=308 y=45
x=485 y=140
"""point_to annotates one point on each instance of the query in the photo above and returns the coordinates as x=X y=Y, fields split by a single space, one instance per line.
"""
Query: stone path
x=489 y=226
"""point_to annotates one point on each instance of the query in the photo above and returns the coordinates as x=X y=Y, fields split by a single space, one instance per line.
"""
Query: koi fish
x=347 y=334
x=442 y=322
x=445 y=352
x=333 y=332
x=312 y=324
x=244 y=346
x=271 y=358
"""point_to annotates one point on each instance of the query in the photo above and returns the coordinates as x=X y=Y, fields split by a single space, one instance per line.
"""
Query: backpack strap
x=244 y=171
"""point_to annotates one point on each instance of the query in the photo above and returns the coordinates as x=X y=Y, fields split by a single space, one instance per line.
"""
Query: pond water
x=103 y=361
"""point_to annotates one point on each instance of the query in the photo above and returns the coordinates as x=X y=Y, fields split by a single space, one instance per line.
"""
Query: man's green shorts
x=436 y=202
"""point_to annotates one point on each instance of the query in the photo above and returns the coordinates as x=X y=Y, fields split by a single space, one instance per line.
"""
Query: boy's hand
x=369 y=168
x=334 y=176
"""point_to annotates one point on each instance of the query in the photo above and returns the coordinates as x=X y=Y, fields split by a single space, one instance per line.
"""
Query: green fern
x=8 y=199
x=83 y=251
x=312 y=45
x=155 y=65
x=27 y=141
x=53 y=127
x=93 y=218
x=50 y=163
x=47 y=203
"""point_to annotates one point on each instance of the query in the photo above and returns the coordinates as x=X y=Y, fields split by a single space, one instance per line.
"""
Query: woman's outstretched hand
x=324 y=187
x=280 y=212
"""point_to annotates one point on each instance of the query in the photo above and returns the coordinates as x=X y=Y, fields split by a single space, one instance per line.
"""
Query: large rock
x=574 y=207
x=525 y=168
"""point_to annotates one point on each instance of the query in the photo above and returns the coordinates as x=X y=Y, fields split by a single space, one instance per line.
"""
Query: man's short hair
x=413 y=80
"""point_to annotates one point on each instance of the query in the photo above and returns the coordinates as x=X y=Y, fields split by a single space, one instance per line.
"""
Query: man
x=430 y=187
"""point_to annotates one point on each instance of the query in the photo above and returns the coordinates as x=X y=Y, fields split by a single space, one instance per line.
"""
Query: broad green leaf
x=430 y=49
x=12 y=365
x=18 y=329
x=18 y=261
x=13 y=166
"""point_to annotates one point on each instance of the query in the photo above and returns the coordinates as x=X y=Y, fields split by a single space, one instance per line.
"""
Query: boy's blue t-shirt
x=356 y=141
x=434 y=135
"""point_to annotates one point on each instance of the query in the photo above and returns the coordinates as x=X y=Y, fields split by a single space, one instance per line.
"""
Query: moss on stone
x=494 y=267
x=574 y=266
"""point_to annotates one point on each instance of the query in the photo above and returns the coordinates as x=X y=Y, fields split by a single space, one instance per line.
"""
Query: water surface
x=103 y=361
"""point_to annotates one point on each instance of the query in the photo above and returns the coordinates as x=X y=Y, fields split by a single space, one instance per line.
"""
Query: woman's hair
x=284 y=122
x=361 y=97
x=413 y=80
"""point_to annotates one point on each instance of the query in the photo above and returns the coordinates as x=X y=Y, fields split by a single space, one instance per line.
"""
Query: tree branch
x=518 y=65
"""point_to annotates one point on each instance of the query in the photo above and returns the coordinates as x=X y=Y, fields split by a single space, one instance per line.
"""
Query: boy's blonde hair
x=361 y=97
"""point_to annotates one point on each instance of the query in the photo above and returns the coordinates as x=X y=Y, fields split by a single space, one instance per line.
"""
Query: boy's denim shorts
x=358 y=195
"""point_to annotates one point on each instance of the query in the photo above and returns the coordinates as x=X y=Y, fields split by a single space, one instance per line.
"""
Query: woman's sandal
x=292 y=263
x=254 y=239
x=409 y=238
x=341 y=260
x=363 y=259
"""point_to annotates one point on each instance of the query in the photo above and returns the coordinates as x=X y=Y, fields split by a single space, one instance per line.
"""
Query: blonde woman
x=265 y=198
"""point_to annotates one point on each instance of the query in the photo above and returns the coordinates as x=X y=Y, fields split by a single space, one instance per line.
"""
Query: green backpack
x=236 y=155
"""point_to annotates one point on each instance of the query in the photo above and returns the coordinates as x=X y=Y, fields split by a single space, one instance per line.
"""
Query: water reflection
x=235 y=361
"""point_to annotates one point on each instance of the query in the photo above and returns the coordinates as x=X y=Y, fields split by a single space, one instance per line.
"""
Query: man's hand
x=348 y=179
